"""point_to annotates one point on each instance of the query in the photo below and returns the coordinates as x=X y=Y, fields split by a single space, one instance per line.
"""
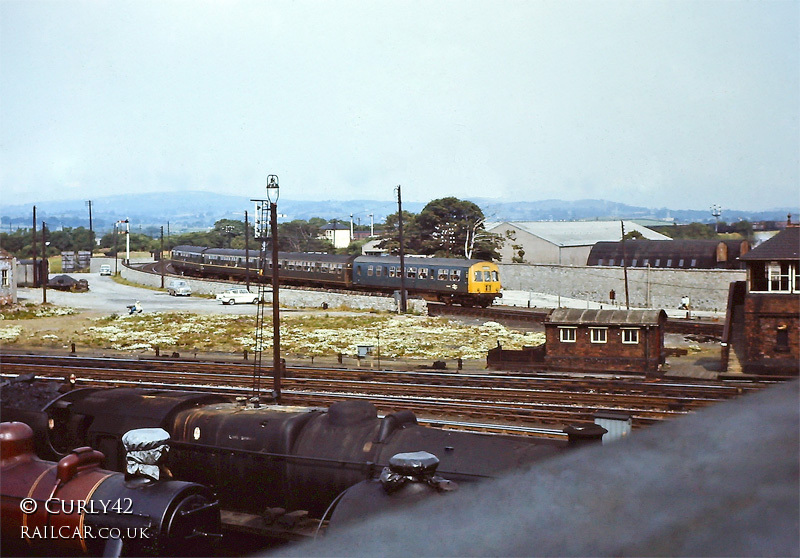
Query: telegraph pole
x=44 y=263
x=246 y=254
x=403 y=300
x=33 y=236
x=162 y=262
x=91 y=230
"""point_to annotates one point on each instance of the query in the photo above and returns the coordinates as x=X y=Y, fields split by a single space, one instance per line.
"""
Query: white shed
x=559 y=242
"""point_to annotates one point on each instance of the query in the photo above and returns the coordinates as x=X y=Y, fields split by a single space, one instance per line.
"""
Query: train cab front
x=484 y=283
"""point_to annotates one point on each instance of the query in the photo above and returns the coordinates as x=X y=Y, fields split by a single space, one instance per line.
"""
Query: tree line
x=446 y=227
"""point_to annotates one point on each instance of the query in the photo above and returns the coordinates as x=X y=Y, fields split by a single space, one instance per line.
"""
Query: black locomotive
x=448 y=280
x=258 y=458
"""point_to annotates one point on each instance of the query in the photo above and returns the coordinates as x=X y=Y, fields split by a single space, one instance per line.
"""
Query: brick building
x=768 y=340
x=593 y=341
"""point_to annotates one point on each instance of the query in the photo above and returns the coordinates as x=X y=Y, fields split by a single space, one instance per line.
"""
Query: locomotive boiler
x=74 y=507
x=257 y=458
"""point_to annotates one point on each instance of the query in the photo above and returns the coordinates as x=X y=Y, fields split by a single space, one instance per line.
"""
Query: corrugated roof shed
x=579 y=233
x=783 y=246
x=577 y=316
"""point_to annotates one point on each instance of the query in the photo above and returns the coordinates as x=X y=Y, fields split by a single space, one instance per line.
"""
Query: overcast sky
x=662 y=104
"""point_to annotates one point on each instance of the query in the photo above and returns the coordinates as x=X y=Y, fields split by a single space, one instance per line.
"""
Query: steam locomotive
x=449 y=280
x=260 y=457
x=74 y=507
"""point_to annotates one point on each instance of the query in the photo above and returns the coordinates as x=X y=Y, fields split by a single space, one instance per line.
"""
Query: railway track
x=527 y=401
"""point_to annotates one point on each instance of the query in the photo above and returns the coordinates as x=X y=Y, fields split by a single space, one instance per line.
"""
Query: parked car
x=105 y=269
x=179 y=287
x=237 y=295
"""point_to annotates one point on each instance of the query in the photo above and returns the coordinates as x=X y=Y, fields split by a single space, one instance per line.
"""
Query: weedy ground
x=307 y=334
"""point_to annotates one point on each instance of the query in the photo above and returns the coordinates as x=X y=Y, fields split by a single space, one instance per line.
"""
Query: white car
x=237 y=295
x=105 y=269
x=179 y=287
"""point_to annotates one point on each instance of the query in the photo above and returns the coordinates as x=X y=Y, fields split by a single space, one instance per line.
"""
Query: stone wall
x=289 y=298
x=707 y=288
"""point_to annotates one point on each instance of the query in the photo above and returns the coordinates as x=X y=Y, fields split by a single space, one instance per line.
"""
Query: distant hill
x=184 y=211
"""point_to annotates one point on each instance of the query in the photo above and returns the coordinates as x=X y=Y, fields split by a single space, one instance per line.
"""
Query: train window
x=598 y=334
x=411 y=272
x=455 y=274
x=478 y=276
x=567 y=334
x=630 y=336
x=369 y=271
x=423 y=273
x=442 y=276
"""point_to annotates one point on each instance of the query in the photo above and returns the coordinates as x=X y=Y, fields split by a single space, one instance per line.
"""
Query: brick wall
x=764 y=315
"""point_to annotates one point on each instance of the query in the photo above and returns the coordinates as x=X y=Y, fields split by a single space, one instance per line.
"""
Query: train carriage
x=448 y=280
x=304 y=268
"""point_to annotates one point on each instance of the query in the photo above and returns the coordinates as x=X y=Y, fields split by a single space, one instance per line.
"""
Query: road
x=107 y=296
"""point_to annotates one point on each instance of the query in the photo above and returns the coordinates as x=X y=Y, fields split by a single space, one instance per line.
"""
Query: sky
x=654 y=103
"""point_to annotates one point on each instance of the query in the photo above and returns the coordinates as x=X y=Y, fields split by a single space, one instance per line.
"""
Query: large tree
x=446 y=227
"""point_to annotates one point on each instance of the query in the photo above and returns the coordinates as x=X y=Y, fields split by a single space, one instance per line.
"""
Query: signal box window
x=567 y=334
x=598 y=335
x=630 y=336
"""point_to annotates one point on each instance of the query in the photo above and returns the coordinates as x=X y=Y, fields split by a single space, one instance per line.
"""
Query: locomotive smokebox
x=409 y=478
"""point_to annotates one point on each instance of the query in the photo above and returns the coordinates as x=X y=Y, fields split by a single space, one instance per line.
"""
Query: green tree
x=303 y=236
x=390 y=237
x=690 y=231
x=451 y=227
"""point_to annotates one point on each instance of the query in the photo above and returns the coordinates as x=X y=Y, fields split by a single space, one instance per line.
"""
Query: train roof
x=189 y=248
x=420 y=261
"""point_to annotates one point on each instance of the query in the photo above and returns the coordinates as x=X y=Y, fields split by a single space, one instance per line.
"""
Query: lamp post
x=273 y=190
